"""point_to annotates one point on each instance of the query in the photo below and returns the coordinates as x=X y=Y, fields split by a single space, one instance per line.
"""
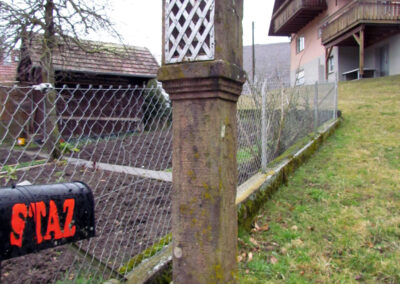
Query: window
x=300 y=44
x=299 y=78
x=331 y=64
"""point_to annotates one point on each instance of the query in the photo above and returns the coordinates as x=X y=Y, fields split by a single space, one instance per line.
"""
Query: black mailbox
x=37 y=217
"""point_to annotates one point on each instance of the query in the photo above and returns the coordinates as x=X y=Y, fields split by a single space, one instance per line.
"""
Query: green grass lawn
x=338 y=218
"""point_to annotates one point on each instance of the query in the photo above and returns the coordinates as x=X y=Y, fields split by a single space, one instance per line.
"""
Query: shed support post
x=204 y=91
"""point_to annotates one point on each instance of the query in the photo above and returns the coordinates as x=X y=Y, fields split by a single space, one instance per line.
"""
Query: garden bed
x=11 y=158
x=152 y=150
x=132 y=213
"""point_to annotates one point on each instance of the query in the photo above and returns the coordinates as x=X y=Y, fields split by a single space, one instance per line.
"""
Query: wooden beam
x=357 y=38
x=328 y=52
x=361 y=43
x=343 y=37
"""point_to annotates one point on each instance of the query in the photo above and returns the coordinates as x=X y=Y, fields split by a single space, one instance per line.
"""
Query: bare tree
x=55 y=23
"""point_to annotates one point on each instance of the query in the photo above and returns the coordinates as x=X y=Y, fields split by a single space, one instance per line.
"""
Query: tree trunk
x=52 y=133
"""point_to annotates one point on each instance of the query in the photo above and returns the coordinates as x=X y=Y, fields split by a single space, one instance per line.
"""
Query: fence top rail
x=90 y=87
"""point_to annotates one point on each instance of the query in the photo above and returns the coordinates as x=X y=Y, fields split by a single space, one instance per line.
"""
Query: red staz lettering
x=53 y=224
x=69 y=230
x=37 y=210
x=18 y=217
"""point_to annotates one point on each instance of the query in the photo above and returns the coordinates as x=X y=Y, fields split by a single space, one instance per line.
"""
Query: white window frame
x=331 y=64
x=300 y=77
x=300 y=44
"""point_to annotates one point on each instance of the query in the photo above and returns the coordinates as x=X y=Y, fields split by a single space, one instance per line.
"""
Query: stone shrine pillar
x=202 y=73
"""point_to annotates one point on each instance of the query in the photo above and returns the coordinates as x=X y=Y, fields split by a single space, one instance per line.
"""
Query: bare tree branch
x=56 y=24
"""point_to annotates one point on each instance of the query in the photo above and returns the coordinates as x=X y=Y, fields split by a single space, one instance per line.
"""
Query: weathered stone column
x=202 y=73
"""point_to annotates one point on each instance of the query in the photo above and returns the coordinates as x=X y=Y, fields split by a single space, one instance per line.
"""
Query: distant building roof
x=99 y=58
x=272 y=62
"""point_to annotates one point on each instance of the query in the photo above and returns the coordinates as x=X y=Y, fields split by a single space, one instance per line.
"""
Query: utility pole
x=254 y=54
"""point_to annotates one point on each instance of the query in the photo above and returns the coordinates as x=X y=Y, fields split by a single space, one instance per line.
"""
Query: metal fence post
x=264 y=127
x=335 y=98
x=202 y=73
x=316 y=107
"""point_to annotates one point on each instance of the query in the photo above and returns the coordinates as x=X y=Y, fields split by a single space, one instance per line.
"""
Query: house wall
x=349 y=57
x=314 y=70
x=372 y=59
x=312 y=58
x=394 y=55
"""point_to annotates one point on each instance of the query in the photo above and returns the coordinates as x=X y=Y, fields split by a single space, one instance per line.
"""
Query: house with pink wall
x=339 y=39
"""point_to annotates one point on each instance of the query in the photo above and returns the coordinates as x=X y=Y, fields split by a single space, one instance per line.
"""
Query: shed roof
x=98 y=57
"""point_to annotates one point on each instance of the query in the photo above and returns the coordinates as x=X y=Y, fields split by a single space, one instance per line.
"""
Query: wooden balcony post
x=202 y=73
x=362 y=55
x=361 y=43
x=328 y=52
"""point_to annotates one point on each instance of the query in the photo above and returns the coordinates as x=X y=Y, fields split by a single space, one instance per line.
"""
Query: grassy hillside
x=338 y=218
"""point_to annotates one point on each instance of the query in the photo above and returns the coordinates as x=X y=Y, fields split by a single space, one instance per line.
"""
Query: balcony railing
x=293 y=15
x=360 y=12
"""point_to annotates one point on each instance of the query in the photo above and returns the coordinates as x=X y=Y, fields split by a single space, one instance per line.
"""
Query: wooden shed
x=101 y=105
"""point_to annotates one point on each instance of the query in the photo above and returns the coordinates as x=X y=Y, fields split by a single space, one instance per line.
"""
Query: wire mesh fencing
x=119 y=142
x=271 y=118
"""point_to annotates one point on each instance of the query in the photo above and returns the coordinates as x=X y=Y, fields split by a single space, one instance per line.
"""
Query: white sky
x=139 y=22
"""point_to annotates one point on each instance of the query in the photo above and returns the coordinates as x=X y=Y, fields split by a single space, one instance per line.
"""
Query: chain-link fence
x=271 y=118
x=119 y=142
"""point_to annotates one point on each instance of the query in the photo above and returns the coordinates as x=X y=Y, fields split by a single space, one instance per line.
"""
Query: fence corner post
x=202 y=72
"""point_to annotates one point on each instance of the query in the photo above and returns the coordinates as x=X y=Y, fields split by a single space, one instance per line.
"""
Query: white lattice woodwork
x=189 y=30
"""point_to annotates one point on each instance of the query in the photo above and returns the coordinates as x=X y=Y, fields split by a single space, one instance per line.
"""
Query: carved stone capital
x=202 y=80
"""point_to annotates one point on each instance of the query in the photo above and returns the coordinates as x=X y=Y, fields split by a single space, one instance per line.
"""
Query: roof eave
x=146 y=76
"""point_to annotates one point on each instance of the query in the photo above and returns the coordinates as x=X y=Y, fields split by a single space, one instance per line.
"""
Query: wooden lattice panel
x=189 y=30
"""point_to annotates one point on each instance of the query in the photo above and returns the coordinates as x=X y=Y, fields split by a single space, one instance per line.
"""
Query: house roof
x=99 y=58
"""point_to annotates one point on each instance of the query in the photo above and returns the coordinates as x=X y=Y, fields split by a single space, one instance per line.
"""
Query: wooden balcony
x=293 y=15
x=377 y=16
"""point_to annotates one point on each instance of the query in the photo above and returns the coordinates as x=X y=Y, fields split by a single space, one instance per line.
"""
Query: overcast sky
x=139 y=22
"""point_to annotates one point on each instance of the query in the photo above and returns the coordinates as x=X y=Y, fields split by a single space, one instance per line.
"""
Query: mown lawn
x=338 y=218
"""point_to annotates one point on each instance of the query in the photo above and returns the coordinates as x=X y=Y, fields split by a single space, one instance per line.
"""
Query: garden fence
x=119 y=142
